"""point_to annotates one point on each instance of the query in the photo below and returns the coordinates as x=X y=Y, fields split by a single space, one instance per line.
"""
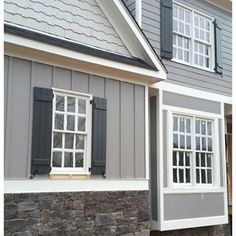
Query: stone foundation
x=218 y=230
x=82 y=213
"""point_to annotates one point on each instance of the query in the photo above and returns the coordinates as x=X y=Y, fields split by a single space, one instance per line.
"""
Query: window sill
x=197 y=67
x=193 y=190
x=63 y=176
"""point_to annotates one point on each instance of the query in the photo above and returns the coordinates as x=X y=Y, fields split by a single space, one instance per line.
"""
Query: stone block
x=27 y=206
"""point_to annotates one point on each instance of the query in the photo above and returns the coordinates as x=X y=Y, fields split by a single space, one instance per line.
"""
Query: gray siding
x=131 y=6
x=188 y=102
x=125 y=115
x=183 y=206
x=78 y=20
x=188 y=75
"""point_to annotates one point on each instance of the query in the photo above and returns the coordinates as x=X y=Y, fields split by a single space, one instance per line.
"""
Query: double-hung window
x=192 y=37
x=192 y=150
x=71 y=132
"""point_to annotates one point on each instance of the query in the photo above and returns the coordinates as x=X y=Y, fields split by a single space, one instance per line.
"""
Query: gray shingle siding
x=78 y=20
x=188 y=75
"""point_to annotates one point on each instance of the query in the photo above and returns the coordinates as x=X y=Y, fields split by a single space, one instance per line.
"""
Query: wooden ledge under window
x=68 y=176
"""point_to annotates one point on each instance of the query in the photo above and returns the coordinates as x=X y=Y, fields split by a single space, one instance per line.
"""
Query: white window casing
x=71 y=133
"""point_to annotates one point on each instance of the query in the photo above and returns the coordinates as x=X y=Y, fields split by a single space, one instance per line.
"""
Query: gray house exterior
x=115 y=115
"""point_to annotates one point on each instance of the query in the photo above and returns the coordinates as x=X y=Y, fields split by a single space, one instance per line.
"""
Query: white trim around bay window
x=71 y=134
x=193 y=156
x=193 y=37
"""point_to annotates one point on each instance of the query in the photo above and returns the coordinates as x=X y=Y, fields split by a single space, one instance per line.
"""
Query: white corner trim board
x=192 y=92
x=48 y=185
x=138 y=12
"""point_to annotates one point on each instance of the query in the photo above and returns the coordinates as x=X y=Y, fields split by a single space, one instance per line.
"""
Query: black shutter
x=166 y=29
x=99 y=134
x=218 y=56
x=42 y=131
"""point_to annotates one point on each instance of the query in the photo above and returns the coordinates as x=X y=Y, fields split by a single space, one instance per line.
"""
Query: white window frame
x=172 y=111
x=193 y=39
x=87 y=132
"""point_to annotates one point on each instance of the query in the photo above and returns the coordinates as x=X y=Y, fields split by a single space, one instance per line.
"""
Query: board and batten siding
x=188 y=75
x=82 y=21
x=125 y=115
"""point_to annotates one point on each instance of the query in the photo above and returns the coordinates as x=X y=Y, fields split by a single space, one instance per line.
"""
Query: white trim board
x=49 y=54
x=189 y=223
x=192 y=92
x=47 y=185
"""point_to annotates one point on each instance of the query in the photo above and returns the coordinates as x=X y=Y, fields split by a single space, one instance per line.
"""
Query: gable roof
x=140 y=51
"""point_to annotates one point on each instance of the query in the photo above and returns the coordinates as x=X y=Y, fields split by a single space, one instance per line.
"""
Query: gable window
x=71 y=132
x=192 y=150
x=192 y=37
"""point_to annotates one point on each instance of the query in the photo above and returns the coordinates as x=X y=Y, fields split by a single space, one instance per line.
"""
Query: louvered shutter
x=218 y=56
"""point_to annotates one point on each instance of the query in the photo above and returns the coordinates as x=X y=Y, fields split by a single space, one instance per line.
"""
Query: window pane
x=208 y=160
x=181 y=14
x=56 y=159
x=81 y=124
x=203 y=144
x=188 y=142
x=187 y=16
x=186 y=56
x=209 y=140
x=203 y=176
x=203 y=127
x=60 y=101
x=69 y=141
x=187 y=29
x=181 y=175
x=79 y=141
x=175 y=25
x=197 y=176
x=68 y=161
x=175 y=140
x=70 y=104
x=196 y=59
x=174 y=52
x=188 y=125
x=200 y=60
x=57 y=140
x=196 y=34
x=79 y=160
x=182 y=141
x=197 y=159
x=203 y=164
x=181 y=124
x=70 y=123
x=59 y=121
x=197 y=126
x=201 y=23
x=175 y=11
x=81 y=106
x=198 y=143
x=187 y=159
x=174 y=158
x=180 y=54
x=175 y=123
x=209 y=128
x=209 y=177
x=187 y=173
x=196 y=20
x=175 y=175
x=181 y=159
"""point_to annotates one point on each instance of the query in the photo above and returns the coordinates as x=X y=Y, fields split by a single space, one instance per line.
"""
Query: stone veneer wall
x=77 y=213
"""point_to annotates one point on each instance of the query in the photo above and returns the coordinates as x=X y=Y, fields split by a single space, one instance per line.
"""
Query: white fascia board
x=150 y=76
x=192 y=92
x=130 y=33
x=48 y=185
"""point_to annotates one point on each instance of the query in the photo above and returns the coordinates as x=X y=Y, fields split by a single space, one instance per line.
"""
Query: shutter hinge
x=89 y=169
x=91 y=101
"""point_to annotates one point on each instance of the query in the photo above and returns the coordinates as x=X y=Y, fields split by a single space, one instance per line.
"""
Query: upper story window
x=71 y=136
x=192 y=150
x=192 y=37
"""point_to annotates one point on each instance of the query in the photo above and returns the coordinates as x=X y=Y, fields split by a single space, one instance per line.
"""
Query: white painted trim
x=147 y=141
x=116 y=12
x=138 y=12
x=188 y=190
x=47 y=185
x=192 y=92
x=38 y=49
x=193 y=222
x=185 y=111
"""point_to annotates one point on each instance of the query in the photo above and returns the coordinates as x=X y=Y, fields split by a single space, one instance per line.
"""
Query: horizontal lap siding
x=125 y=115
x=131 y=6
x=81 y=21
x=188 y=75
